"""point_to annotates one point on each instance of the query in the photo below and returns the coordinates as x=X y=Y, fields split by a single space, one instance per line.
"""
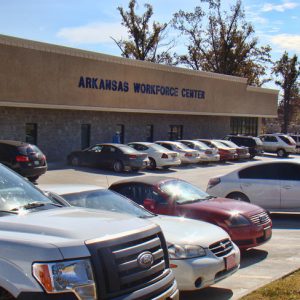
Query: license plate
x=230 y=262
x=268 y=233
x=36 y=163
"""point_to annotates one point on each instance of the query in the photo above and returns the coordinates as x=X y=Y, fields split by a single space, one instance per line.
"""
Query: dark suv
x=253 y=143
x=26 y=159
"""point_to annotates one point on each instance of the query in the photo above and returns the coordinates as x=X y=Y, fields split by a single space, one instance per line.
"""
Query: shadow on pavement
x=210 y=293
x=252 y=256
x=286 y=221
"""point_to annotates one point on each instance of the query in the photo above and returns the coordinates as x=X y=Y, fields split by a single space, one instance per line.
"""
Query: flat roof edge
x=127 y=110
x=47 y=47
x=262 y=90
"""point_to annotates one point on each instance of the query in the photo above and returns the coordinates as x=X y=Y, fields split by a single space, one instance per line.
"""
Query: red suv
x=248 y=225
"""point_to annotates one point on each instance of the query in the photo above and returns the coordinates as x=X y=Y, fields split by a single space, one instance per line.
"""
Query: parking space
x=259 y=266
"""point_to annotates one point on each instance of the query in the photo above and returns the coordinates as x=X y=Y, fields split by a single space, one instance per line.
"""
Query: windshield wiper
x=36 y=204
x=8 y=212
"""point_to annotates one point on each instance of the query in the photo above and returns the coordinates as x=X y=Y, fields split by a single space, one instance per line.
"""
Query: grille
x=221 y=248
x=117 y=269
x=260 y=219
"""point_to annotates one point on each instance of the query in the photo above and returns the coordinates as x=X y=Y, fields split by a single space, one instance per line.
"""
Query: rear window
x=29 y=149
x=286 y=139
x=128 y=150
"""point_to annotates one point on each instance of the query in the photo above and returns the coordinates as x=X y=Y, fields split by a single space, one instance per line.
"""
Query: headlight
x=237 y=220
x=185 y=251
x=67 y=276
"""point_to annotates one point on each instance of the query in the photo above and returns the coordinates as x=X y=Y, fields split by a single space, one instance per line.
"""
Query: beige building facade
x=64 y=99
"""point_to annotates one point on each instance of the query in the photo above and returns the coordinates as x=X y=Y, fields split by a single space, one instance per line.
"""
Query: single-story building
x=64 y=99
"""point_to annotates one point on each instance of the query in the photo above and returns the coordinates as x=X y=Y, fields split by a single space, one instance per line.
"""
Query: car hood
x=221 y=206
x=68 y=228
x=184 y=231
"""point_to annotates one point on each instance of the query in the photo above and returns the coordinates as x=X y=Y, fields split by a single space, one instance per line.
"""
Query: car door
x=261 y=184
x=109 y=155
x=92 y=156
x=289 y=175
x=269 y=143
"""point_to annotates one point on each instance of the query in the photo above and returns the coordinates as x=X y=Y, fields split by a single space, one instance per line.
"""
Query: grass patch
x=287 y=288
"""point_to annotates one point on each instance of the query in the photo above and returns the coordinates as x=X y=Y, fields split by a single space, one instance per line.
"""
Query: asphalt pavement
x=259 y=266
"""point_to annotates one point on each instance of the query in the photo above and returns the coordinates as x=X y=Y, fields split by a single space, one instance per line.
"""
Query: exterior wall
x=47 y=76
x=59 y=130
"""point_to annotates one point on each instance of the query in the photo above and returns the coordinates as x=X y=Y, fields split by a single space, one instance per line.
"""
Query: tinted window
x=30 y=149
x=269 y=139
x=286 y=139
x=264 y=171
x=289 y=171
x=167 y=146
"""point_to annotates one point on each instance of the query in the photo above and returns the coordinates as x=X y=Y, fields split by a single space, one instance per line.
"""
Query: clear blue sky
x=90 y=24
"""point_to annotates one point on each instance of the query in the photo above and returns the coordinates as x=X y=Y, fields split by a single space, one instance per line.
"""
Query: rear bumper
x=32 y=172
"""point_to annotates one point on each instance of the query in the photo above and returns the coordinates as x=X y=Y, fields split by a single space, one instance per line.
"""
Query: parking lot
x=259 y=266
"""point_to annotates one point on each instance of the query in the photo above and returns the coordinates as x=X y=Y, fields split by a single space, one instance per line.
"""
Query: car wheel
x=252 y=156
x=75 y=161
x=34 y=178
x=281 y=153
x=152 y=164
x=238 y=196
x=118 y=166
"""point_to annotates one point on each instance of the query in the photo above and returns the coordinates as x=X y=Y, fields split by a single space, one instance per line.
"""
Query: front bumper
x=197 y=273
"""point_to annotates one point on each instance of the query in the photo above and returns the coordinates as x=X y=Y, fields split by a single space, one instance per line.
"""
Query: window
x=31 y=133
x=121 y=129
x=247 y=126
x=149 y=133
x=264 y=171
x=289 y=171
x=270 y=139
x=85 y=135
x=175 y=132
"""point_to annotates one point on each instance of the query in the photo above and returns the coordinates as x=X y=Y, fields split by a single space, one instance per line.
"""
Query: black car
x=25 y=159
x=253 y=143
x=118 y=157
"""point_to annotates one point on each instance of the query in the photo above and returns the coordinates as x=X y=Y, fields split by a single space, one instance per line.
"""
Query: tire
x=75 y=161
x=166 y=167
x=34 y=178
x=152 y=164
x=281 y=153
x=118 y=166
x=4 y=295
x=238 y=196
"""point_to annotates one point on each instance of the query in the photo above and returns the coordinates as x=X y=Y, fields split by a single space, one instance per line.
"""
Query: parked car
x=272 y=185
x=186 y=154
x=207 y=154
x=25 y=159
x=158 y=156
x=241 y=151
x=201 y=253
x=248 y=225
x=54 y=252
x=278 y=143
x=254 y=144
x=296 y=138
x=118 y=157
x=226 y=153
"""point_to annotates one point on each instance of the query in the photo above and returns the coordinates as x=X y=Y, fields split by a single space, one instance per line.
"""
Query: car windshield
x=183 y=192
x=219 y=144
x=201 y=145
x=229 y=143
x=16 y=193
x=157 y=147
x=106 y=200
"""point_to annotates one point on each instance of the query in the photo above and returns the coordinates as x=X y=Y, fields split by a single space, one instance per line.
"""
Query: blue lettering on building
x=139 y=88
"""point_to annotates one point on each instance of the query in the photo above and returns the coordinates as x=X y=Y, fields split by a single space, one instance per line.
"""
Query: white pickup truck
x=53 y=252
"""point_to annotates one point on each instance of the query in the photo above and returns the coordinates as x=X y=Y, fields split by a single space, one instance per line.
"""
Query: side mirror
x=149 y=204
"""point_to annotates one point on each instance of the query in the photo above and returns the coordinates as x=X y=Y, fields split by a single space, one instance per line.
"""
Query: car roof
x=14 y=143
x=144 y=143
x=151 y=180
x=62 y=189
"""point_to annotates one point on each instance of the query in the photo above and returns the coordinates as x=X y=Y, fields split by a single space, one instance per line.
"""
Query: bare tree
x=144 y=44
x=222 y=42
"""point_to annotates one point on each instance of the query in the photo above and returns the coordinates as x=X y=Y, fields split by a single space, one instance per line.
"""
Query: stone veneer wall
x=59 y=130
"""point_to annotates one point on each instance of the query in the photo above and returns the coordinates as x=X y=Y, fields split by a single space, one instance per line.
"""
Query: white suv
x=278 y=143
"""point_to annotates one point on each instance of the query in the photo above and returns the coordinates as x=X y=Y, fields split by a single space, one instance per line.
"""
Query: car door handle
x=287 y=187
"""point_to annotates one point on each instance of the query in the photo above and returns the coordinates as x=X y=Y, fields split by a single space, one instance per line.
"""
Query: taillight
x=164 y=155
x=213 y=182
x=132 y=156
x=22 y=158
x=188 y=154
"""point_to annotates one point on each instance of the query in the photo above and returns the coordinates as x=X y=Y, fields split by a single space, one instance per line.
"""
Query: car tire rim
x=152 y=164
